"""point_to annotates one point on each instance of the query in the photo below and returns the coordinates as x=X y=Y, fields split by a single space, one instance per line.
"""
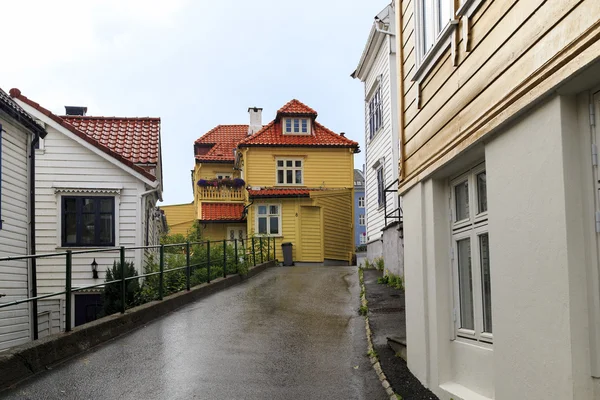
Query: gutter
x=34 y=316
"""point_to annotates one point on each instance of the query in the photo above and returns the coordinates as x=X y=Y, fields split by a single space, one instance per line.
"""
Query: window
x=289 y=172
x=363 y=238
x=223 y=175
x=375 y=113
x=88 y=221
x=380 y=187
x=361 y=219
x=471 y=256
x=268 y=219
x=434 y=16
x=361 y=202
x=296 y=126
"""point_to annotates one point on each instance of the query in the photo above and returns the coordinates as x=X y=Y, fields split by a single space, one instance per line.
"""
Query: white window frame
x=362 y=239
x=224 y=175
x=361 y=219
x=472 y=227
x=374 y=109
x=361 y=201
x=290 y=123
x=285 y=168
x=426 y=58
x=380 y=187
x=268 y=215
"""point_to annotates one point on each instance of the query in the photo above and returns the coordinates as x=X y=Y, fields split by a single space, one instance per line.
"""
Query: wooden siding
x=383 y=143
x=337 y=222
x=180 y=217
x=14 y=321
x=519 y=51
x=311 y=234
x=217 y=231
x=209 y=171
x=327 y=167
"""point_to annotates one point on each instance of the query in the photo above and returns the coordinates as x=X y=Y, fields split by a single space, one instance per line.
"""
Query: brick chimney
x=255 y=120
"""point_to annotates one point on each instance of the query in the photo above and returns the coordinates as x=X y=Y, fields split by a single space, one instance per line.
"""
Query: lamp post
x=94 y=269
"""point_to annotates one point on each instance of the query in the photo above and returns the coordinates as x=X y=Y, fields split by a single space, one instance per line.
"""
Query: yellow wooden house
x=299 y=176
x=291 y=179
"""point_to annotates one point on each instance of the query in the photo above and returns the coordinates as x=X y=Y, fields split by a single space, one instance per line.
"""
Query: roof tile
x=296 y=107
x=222 y=211
x=279 y=193
x=223 y=139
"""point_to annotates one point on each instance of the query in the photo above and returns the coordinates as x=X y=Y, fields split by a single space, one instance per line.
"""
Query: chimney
x=343 y=134
x=75 y=110
x=255 y=120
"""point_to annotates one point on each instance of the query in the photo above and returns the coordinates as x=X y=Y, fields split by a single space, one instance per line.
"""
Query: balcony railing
x=220 y=193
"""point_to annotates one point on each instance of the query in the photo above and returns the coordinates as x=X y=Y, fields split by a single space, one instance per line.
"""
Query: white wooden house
x=18 y=131
x=98 y=181
x=377 y=70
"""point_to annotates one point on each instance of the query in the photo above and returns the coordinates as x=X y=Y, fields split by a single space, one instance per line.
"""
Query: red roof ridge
x=16 y=93
x=295 y=106
x=107 y=117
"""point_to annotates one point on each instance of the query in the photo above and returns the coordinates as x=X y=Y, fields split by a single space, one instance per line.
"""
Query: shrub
x=112 y=292
x=379 y=263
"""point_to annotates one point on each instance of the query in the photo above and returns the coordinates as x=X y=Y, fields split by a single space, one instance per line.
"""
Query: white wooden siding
x=382 y=145
x=14 y=321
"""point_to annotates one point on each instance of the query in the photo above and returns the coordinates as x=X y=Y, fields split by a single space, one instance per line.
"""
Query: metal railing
x=245 y=253
x=396 y=213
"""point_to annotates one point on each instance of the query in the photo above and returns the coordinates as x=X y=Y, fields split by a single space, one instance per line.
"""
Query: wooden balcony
x=220 y=194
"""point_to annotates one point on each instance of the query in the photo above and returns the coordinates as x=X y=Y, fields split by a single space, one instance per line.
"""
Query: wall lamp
x=95 y=269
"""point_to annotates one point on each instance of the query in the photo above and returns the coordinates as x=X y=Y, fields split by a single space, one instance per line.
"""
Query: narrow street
x=289 y=333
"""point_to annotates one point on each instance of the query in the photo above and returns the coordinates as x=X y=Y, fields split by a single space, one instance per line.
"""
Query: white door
x=236 y=232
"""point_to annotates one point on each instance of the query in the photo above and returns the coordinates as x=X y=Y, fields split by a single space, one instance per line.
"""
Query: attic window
x=296 y=126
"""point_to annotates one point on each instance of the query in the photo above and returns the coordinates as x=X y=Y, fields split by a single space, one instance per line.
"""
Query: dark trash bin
x=286 y=249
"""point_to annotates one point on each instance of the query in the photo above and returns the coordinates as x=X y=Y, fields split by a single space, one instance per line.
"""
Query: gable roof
x=358 y=177
x=136 y=139
x=114 y=151
x=223 y=212
x=296 y=107
x=220 y=143
x=8 y=105
x=272 y=135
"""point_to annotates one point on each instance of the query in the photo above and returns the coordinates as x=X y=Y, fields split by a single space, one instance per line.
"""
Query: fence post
x=208 y=261
x=123 y=283
x=253 y=252
x=261 y=250
x=68 y=269
x=224 y=258
x=237 y=257
x=274 y=249
x=161 y=281
x=187 y=261
x=269 y=248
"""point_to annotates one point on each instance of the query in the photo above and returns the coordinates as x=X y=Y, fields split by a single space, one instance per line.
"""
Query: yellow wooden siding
x=311 y=234
x=519 y=51
x=337 y=223
x=180 y=217
x=290 y=222
x=217 y=231
x=327 y=167
x=210 y=170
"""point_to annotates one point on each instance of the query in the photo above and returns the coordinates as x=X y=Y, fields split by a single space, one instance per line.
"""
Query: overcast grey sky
x=195 y=64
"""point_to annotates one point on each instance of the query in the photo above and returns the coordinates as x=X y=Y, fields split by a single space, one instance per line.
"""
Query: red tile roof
x=113 y=152
x=136 y=139
x=222 y=211
x=295 y=107
x=222 y=140
x=272 y=135
x=280 y=193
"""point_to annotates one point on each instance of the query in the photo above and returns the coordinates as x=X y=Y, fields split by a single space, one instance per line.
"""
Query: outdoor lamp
x=95 y=269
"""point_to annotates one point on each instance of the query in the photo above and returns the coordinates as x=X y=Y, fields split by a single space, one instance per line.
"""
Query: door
x=311 y=234
x=236 y=232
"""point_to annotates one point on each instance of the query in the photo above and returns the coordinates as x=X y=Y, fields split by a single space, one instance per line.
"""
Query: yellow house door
x=311 y=234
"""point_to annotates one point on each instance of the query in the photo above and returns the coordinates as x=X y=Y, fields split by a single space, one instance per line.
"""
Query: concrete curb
x=370 y=350
x=24 y=361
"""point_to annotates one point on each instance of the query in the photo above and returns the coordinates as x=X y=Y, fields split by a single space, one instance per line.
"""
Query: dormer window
x=296 y=126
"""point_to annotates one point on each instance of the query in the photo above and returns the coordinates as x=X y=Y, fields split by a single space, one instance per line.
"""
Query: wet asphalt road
x=288 y=333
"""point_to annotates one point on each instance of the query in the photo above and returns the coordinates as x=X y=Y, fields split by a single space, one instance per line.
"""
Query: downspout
x=34 y=316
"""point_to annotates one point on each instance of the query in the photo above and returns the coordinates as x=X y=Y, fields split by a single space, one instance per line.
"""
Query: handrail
x=244 y=252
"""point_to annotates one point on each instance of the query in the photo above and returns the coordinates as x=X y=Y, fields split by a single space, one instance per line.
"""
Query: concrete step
x=398 y=344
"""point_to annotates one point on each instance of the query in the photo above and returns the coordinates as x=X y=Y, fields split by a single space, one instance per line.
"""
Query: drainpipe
x=34 y=319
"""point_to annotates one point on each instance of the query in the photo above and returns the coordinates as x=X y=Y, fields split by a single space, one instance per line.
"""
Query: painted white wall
x=542 y=236
x=14 y=321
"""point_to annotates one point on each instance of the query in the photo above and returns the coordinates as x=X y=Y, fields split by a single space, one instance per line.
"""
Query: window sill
x=434 y=54
x=375 y=135
x=468 y=8
x=77 y=248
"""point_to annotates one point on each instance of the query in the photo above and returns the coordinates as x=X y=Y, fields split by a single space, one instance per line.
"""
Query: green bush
x=379 y=263
x=112 y=292
x=395 y=281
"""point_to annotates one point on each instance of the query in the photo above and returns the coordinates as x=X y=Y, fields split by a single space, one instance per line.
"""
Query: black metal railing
x=239 y=255
x=394 y=215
